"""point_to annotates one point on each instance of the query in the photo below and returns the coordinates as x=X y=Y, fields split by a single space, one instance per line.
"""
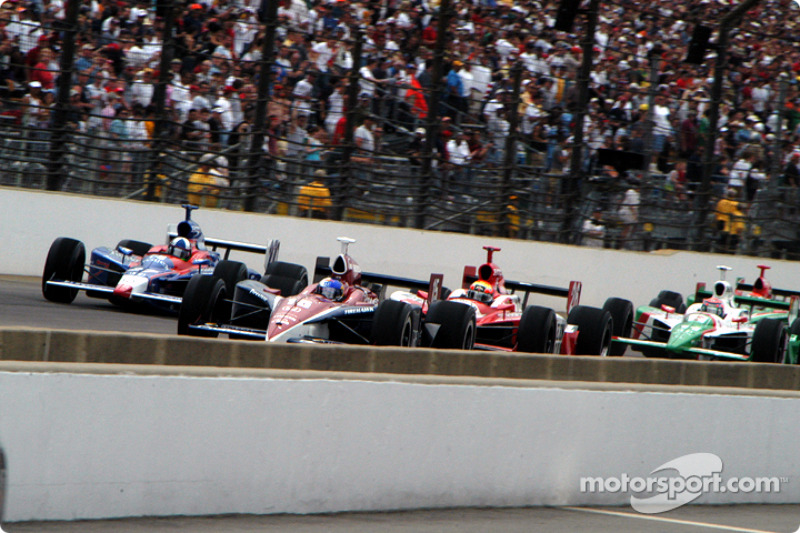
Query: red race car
x=488 y=313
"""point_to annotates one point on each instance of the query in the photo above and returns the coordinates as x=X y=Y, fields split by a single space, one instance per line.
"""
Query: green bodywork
x=686 y=338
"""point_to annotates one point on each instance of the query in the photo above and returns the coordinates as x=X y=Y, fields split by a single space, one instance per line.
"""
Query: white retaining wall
x=91 y=446
x=32 y=219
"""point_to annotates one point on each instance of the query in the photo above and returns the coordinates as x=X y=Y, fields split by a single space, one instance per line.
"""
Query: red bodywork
x=506 y=309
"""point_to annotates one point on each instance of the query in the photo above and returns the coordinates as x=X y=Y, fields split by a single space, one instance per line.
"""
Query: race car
x=343 y=305
x=136 y=272
x=504 y=321
x=746 y=323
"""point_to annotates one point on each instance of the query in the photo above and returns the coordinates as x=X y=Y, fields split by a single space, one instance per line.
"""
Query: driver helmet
x=332 y=289
x=481 y=291
x=180 y=247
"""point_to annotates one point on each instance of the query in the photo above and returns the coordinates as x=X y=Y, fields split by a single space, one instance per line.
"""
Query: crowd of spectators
x=212 y=92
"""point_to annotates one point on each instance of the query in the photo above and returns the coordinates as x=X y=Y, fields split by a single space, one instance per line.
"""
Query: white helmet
x=180 y=247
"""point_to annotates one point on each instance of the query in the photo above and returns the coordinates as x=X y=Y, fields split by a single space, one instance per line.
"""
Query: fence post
x=510 y=162
x=432 y=127
x=55 y=170
x=572 y=188
x=341 y=194
x=159 y=103
x=259 y=120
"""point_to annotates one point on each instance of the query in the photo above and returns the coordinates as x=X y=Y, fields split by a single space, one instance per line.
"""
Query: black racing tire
x=595 y=328
x=670 y=298
x=289 y=270
x=202 y=303
x=794 y=329
x=287 y=286
x=137 y=247
x=769 y=341
x=457 y=324
x=231 y=273
x=65 y=261
x=395 y=324
x=621 y=312
x=537 y=330
x=289 y=278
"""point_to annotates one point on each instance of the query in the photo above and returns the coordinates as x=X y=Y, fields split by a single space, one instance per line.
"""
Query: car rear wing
x=785 y=293
x=702 y=293
x=434 y=286
x=571 y=293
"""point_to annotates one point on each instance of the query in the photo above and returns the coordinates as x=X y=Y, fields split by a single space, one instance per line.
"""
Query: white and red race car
x=504 y=321
x=343 y=305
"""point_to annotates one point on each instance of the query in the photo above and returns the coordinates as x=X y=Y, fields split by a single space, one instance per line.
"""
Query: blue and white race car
x=137 y=272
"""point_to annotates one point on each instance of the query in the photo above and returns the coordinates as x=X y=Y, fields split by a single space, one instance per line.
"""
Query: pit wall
x=97 y=445
x=31 y=220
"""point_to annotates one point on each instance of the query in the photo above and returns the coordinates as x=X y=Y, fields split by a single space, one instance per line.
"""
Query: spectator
x=594 y=230
x=314 y=199
x=730 y=222
x=791 y=172
x=366 y=136
x=207 y=182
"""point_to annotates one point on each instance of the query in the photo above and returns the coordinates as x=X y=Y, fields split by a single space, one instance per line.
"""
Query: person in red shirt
x=430 y=32
x=41 y=71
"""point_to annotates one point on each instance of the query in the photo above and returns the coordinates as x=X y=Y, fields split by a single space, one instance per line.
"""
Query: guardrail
x=31 y=344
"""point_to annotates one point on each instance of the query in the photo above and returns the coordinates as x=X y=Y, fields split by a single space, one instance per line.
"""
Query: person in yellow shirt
x=205 y=185
x=730 y=222
x=314 y=199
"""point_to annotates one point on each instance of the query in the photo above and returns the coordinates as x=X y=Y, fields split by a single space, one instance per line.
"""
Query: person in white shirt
x=364 y=136
x=458 y=157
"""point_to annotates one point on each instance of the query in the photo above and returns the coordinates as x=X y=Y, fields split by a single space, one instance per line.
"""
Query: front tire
x=456 y=325
x=537 y=330
x=202 y=303
x=595 y=327
x=621 y=312
x=769 y=341
x=231 y=273
x=137 y=247
x=65 y=261
x=671 y=298
x=395 y=324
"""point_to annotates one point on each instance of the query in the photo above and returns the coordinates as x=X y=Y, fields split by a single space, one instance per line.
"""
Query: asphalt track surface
x=22 y=304
x=742 y=518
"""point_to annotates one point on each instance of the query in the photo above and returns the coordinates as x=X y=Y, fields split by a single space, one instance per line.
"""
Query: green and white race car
x=750 y=323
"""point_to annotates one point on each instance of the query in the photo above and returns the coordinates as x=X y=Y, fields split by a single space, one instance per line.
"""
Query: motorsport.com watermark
x=697 y=474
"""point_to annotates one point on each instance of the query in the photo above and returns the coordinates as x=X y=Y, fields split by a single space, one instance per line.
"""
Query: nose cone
x=130 y=284
x=686 y=335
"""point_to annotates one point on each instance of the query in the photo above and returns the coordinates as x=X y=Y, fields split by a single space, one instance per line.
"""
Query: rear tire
x=537 y=330
x=137 y=247
x=289 y=278
x=595 y=328
x=395 y=324
x=769 y=341
x=65 y=261
x=794 y=330
x=457 y=325
x=621 y=312
x=202 y=303
x=670 y=298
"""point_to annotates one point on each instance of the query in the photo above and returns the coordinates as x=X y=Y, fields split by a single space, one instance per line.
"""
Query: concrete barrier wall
x=33 y=344
x=32 y=219
x=92 y=446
